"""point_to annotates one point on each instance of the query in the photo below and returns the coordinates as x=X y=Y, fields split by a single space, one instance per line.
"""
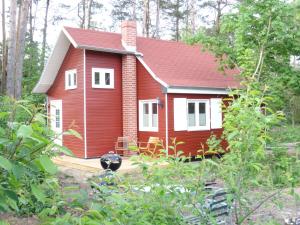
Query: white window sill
x=102 y=87
x=71 y=87
x=198 y=128
x=149 y=129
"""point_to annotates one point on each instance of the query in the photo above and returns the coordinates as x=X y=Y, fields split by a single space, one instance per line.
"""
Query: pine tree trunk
x=30 y=23
x=82 y=25
x=146 y=18
x=4 y=51
x=11 y=57
x=157 y=22
x=193 y=16
x=134 y=10
x=45 y=34
x=177 y=22
x=218 y=19
x=20 y=46
x=89 y=14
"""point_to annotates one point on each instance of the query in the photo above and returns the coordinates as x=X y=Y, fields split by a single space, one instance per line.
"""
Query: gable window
x=102 y=78
x=198 y=114
x=148 y=115
x=70 y=79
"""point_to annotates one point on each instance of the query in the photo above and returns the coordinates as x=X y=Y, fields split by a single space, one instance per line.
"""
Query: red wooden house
x=110 y=85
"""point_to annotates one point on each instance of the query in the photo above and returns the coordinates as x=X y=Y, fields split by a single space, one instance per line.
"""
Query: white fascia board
x=53 y=64
x=70 y=37
x=110 y=50
x=185 y=90
x=164 y=84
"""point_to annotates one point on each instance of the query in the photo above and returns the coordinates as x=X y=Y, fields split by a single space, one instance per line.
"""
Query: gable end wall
x=72 y=100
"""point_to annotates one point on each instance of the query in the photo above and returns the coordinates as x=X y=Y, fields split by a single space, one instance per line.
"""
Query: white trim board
x=84 y=103
x=215 y=91
x=167 y=123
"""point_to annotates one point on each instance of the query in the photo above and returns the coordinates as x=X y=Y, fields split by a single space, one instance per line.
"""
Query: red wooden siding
x=193 y=139
x=103 y=106
x=148 y=88
x=72 y=100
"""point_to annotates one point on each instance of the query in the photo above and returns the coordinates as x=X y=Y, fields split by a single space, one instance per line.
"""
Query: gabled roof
x=173 y=64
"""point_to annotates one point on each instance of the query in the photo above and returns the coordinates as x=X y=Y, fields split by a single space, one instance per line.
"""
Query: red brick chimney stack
x=129 y=33
x=129 y=85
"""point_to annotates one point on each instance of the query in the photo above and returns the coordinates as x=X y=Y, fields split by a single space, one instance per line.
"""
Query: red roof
x=175 y=63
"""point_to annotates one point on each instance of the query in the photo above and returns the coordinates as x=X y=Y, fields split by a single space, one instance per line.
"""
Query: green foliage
x=285 y=133
x=160 y=193
x=27 y=181
x=260 y=32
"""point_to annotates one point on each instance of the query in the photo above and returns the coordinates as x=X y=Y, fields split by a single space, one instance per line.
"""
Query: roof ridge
x=119 y=34
x=90 y=30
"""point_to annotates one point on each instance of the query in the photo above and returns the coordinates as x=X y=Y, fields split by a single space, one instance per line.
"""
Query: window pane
x=154 y=115
x=146 y=115
x=97 y=78
x=57 y=118
x=107 y=78
x=69 y=79
x=202 y=114
x=75 y=79
x=191 y=115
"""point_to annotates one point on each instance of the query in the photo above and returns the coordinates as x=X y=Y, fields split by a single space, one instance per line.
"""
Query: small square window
x=70 y=79
x=102 y=78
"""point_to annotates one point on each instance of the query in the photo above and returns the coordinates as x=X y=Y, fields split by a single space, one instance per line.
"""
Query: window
x=57 y=118
x=102 y=78
x=148 y=115
x=71 y=79
x=198 y=114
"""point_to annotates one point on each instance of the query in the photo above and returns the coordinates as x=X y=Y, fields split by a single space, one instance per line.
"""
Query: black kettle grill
x=111 y=161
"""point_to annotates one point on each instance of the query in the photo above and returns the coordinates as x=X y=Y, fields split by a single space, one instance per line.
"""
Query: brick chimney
x=129 y=84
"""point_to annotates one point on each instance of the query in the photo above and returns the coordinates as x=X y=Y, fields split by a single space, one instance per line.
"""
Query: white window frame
x=73 y=74
x=207 y=116
x=102 y=72
x=141 y=121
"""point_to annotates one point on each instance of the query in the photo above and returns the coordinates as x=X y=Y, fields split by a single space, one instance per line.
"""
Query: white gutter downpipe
x=84 y=103
x=167 y=123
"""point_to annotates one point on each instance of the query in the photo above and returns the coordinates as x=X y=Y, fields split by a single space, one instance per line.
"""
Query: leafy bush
x=27 y=181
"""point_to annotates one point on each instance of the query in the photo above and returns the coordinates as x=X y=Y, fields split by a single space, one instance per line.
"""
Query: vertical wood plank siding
x=104 y=106
x=72 y=100
x=148 y=88
x=194 y=140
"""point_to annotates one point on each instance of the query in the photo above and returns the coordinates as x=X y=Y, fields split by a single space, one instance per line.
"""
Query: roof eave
x=196 y=90
x=110 y=50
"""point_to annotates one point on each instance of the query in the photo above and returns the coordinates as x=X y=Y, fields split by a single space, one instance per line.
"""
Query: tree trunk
x=157 y=23
x=4 y=51
x=89 y=14
x=146 y=18
x=134 y=10
x=218 y=19
x=11 y=57
x=30 y=23
x=177 y=22
x=20 y=46
x=193 y=16
x=45 y=34
x=83 y=14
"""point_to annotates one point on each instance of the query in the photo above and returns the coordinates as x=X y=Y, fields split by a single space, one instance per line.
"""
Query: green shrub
x=27 y=175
